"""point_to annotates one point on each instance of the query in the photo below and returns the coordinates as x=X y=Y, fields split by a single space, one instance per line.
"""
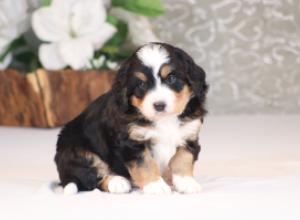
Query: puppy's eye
x=171 y=79
x=142 y=85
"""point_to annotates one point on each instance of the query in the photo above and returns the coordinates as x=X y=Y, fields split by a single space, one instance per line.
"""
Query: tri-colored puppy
x=143 y=132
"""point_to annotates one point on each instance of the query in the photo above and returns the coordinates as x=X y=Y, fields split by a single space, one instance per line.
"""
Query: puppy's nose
x=159 y=106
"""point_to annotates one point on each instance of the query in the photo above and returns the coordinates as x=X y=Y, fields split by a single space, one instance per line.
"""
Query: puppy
x=143 y=132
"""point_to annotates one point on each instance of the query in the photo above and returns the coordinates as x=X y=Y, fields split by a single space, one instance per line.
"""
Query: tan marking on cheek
x=165 y=71
x=137 y=102
x=182 y=99
x=182 y=163
x=141 y=76
x=144 y=172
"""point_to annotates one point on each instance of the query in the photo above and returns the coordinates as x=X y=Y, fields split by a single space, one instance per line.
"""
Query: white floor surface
x=249 y=168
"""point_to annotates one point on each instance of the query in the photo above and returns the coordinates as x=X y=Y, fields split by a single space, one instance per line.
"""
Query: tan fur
x=102 y=167
x=103 y=170
x=182 y=163
x=141 y=76
x=182 y=99
x=144 y=172
x=167 y=176
x=135 y=101
x=165 y=70
x=104 y=183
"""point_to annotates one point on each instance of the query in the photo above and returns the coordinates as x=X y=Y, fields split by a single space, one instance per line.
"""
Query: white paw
x=70 y=189
x=186 y=184
x=157 y=187
x=119 y=184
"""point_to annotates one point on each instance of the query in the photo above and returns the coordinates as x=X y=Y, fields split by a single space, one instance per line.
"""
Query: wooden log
x=48 y=98
x=66 y=93
x=20 y=100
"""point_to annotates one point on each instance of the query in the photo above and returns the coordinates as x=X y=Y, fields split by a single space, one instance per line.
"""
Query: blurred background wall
x=249 y=48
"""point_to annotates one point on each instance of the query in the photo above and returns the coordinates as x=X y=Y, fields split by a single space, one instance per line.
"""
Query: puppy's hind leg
x=77 y=171
x=106 y=180
x=82 y=170
x=109 y=181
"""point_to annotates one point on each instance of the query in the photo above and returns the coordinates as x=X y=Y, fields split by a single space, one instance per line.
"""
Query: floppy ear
x=195 y=75
x=197 y=79
x=119 y=87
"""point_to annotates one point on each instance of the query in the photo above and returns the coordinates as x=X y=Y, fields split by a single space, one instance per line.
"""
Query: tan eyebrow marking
x=165 y=70
x=141 y=76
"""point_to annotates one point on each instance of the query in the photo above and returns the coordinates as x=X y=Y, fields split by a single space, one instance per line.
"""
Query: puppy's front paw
x=186 y=184
x=119 y=184
x=157 y=187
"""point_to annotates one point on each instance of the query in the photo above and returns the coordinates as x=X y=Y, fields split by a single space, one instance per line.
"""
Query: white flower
x=97 y=63
x=14 y=21
x=74 y=28
x=5 y=62
x=139 y=27
x=112 y=65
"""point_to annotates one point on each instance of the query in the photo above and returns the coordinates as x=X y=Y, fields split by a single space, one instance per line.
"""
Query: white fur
x=161 y=93
x=70 y=189
x=167 y=134
x=185 y=184
x=119 y=184
x=157 y=187
x=154 y=56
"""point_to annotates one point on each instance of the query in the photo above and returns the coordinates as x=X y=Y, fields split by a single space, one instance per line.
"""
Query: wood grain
x=49 y=98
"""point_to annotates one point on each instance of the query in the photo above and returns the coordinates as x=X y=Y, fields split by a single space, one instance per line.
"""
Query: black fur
x=102 y=128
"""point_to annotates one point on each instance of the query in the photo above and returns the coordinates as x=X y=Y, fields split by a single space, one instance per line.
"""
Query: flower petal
x=50 y=57
x=8 y=33
x=7 y=60
x=4 y=42
x=14 y=19
x=101 y=35
x=50 y=25
x=112 y=65
x=77 y=53
x=11 y=13
x=88 y=16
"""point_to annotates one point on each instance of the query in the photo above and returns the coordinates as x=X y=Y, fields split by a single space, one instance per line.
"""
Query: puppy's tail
x=70 y=189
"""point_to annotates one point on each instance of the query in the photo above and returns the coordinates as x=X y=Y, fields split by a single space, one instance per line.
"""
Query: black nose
x=159 y=106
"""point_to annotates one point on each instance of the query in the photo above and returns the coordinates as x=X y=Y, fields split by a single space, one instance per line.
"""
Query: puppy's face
x=159 y=81
x=162 y=93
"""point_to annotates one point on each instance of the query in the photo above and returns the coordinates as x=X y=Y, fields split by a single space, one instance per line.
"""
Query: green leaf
x=119 y=38
x=144 y=7
x=46 y=2
x=110 y=49
x=112 y=20
x=25 y=60
x=19 y=42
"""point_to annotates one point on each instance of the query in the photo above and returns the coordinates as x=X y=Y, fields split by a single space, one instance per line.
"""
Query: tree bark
x=49 y=98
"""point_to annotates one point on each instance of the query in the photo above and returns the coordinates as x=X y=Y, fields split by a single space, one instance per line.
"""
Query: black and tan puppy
x=144 y=132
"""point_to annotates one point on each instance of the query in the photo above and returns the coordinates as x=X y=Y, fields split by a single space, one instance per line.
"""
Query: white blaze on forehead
x=153 y=56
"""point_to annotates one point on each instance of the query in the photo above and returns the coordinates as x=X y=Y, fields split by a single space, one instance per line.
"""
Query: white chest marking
x=166 y=135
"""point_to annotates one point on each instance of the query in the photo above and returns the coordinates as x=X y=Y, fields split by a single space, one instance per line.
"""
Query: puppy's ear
x=197 y=79
x=119 y=87
x=195 y=75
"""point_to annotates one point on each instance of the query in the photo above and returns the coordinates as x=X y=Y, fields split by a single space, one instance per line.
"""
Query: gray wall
x=250 y=50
